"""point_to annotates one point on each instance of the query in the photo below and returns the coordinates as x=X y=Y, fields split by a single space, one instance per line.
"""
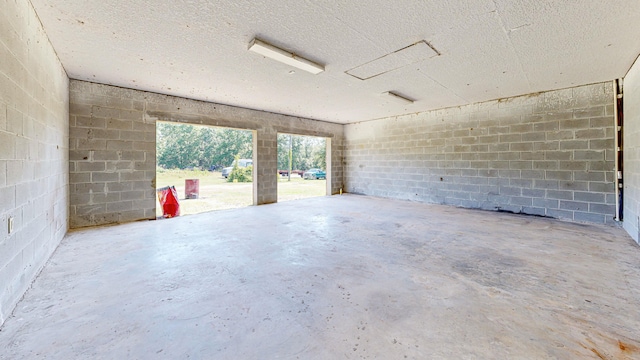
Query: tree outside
x=186 y=146
x=307 y=152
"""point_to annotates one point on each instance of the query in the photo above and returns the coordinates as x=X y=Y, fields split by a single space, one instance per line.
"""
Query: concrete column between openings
x=329 y=180
x=254 y=175
x=265 y=167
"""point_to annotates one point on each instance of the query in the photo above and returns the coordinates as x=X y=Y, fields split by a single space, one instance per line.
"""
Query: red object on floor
x=191 y=188
x=168 y=198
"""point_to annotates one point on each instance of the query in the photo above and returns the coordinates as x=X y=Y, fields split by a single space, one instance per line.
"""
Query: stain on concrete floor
x=342 y=277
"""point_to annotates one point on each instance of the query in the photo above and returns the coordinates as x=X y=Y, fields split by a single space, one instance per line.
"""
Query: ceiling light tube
x=285 y=57
x=398 y=97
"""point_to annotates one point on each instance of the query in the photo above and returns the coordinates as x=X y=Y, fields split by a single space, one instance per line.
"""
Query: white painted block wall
x=631 y=141
x=33 y=150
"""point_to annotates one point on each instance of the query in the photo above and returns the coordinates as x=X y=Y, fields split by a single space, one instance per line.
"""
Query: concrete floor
x=342 y=277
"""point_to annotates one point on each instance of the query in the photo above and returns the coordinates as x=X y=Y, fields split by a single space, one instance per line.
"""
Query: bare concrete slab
x=342 y=277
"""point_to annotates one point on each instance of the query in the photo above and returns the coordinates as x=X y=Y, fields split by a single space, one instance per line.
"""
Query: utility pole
x=290 y=154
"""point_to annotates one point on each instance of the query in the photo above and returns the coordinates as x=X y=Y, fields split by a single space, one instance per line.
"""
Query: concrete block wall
x=631 y=154
x=112 y=159
x=33 y=151
x=112 y=144
x=266 y=185
x=549 y=154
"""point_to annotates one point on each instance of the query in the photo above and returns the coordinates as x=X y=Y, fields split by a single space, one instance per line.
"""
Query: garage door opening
x=210 y=167
x=302 y=167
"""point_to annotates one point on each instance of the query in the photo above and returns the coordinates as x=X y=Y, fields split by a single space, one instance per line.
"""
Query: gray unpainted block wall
x=548 y=154
x=33 y=151
x=112 y=160
x=112 y=148
x=631 y=153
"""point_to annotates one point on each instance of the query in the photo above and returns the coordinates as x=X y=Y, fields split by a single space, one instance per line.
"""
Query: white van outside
x=241 y=163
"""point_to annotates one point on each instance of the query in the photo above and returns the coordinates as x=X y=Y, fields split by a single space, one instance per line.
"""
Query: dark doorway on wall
x=210 y=167
x=302 y=167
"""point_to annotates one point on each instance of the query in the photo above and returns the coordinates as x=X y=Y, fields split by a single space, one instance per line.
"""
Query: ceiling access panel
x=411 y=54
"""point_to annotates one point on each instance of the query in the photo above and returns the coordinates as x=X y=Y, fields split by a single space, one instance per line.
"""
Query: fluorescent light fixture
x=284 y=57
x=398 y=97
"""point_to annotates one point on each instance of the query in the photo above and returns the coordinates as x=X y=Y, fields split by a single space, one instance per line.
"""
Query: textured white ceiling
x=489 y=49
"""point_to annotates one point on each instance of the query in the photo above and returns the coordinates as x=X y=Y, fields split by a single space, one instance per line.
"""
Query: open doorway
x=302 y=167
x=210 y=167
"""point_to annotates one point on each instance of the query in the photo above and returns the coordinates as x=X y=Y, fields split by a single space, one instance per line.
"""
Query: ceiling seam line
x=511 y=46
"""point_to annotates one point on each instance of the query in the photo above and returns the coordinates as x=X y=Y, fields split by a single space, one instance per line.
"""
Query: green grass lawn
x=217 y=194
x=299 y=188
